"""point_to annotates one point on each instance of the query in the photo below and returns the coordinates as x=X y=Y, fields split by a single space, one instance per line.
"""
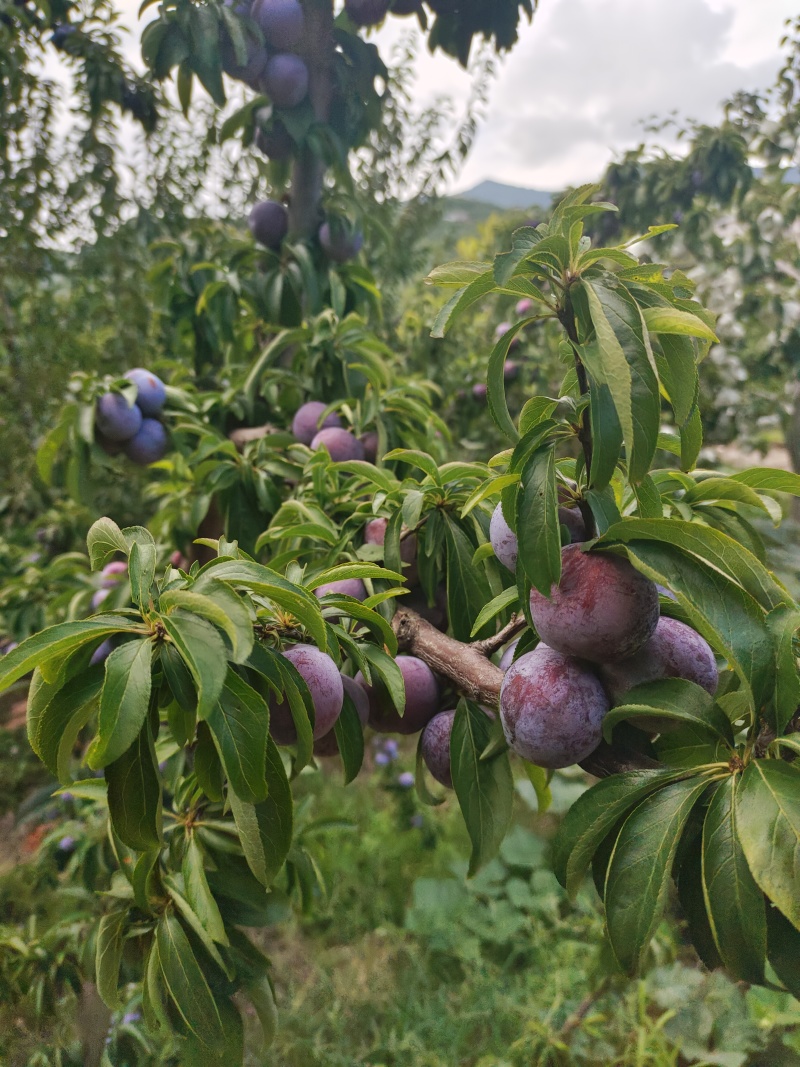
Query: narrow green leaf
x=783 y=941
x=64 y=717
x=239 y=724
x=606 y=435
x=538 y=777
x=770 y=479
x=221 y=606
x=671 y=320
x=496 y=383
x=142 y=571
x=123 y=703
x=202 y=650
x=198 y=893
x=57 y=641
x=108 y=956
x=467 y=588
x=265 y=829
x=134 y=794
x=784 y=623
x=350 y=739
x=671 y=698
x=538 y=529
x=677 y=368
x=186 y=984
x=461 y=300
x=498 y=604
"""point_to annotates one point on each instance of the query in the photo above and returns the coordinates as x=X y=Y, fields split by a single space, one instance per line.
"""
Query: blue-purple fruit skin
x=269 y=223
x=367 y=12
x=149 y=445
x=328 y=745
x=286 y=79
x=504 y=540
x=341 y=444
x=339 y=244
x=353 y=587
x=436 y=747
x=305 y=424
x=552 y=708
x=324 y=682
x=573 y=520
x=252 y=69
x=422 y=699
x=603 y=609
x=508 y=656
x=152 y=393
x=281 y=22
x=102 y=652
x=370 y=442
x=116 y=419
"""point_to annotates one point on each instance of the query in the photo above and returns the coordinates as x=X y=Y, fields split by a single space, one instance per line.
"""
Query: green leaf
x=192 y=920
x=606 y=435
x=123 y=703
x=186 y=984
x=467 y=589
x=671 y=320
x=142 y=570
x=265 y=829
x=456 y=274
x=768 y=817
x=539 y=779
x=262 y=998
x=202 y=650
x=389 y=675
x=104 y=540
x=676 y=699
x=485 y=788
x=770 y=479
x=354 y=570
x=784 y=623
x=207 y=764
x=63 y=718
x=56 y=641
x=783 y=942
x=239 y=724
x=461 y=300
x=198 y=893
x=416 y=458
x=538 y=529
x=350 y=739
x=217 y=603
x=677 y=369
x=108 y=957
x=641 y=864
x=134 y=794
x=593 y=815
x=692 y=901
x=691 y=434
x=301 y=706
x=495 y=606
x=496 y=383
x=734 y=903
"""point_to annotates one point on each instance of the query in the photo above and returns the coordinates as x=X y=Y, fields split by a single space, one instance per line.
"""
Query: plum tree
x=339 y=242
x=116 y=419
x=285 y=79
x=269 y=223
x=422 y=699
x=602 y=609
x=674 y=651
x=329 y=745
x=281 y=22
x=306 y=422
x=341 y=444
x=366 y=12
x=149 y=445
x=552 y=708
x=504 y=540
x=436 y=747
x=325 y=686
x=353 y=587
x=151 y=392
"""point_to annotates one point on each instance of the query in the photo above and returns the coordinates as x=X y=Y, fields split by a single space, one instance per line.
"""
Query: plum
x=511 y=371
x=508 y=656
x=149 y=445
x=375 y=534
x=479 y=390
x=339 y=243
x=112 y=573
x=503 y=327
x=151 y=392
x=116 y=419
x=253 y=68
x=524 y=307
x=674 y=651
x=286 y=79
x=552 y=708
x=306 y=424
x=341 y=444
x=281 y=22
x=504 y=540
x=328 y=745
x=366 y=12
x=573 y=520
x=422 y=699
x=269 y=223
x=275 y=142
x=353 y=587
x=324 y=682
x=436 y=747
x=602 y=610
x=102 y=652
x=370 y=442
x=98 y=598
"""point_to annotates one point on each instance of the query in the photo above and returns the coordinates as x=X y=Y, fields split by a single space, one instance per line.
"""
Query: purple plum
x=422 y=699
x=269 y=223
x=275 y=142
x=339 y=243
x=324 y=682
x=281 y=22
x=341 y=444
x=149 y=445
x=366 y=12
x=116 y=419
x=353 y=587
x=286 y=79
x=152 y=393
x=504 y=540
x=524 y=307
x=436 y=747
x=306 y=424
x=328 y=745
x=508 y=656
x=370 y=442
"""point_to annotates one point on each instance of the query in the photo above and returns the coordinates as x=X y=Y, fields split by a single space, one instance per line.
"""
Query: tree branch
x=490 y=645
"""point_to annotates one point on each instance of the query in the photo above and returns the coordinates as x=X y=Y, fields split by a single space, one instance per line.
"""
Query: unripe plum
x=504 y=540
x=436 y=747
x=674 y=651
x=149 y=445
x=328 y=745
x=269 y=223
x=286 y=79
x=338 y=243
x=422 y=699
x=281 y=22
x=116 y=419
x=341 y=444
x=552 y=709
x=366 y=12
x=152 y=393
x=353 y=587
x=324 y=682
x=508 y=656
x=602 y=610
x=305 y=425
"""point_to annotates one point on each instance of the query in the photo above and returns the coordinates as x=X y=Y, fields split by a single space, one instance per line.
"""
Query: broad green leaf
x=186 y=984
x=784 y=623
x=192 y=920
x=641 y=865
x=265 y=829
x=495 y=606
x=467 y=588
x=134 y=794
x=523 y=242
x=461 y=300
x=103 y=540
x=717 y=488
x=689 y=747
x=677 y=369
x=734 y=903
x=538 y=530
x=485 y=788
x=671 y=320
x=108 y=956
x=535 y=411
x=768 y=819
x=178 y=678
x=770 y=479
x=350 y=739
x=94 y=789
x=456 y=274
x=142 y=571
x=671 y=698
x=692 y=901
x=207 y=764
x=198 y=893
x=354 y=570
x=217 y=603
x=783 y=947
x=606 y=435
x=593 y=815
x=202 y=650
x=61 y=721
x=416 y=458
x=124 y=702
x=239 y=723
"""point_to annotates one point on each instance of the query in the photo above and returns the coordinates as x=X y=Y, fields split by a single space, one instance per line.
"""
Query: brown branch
x=490 y=645
x=245 y=435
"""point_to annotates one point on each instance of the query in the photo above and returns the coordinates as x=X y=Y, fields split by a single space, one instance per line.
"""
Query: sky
x=583 y=77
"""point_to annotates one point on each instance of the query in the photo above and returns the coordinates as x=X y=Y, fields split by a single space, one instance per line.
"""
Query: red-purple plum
x=436 y=747
x=504 y=540
x=281 y=22
x=306 y=424
x=269 y=223
x=508 y=656
x=328 y=745
x=324 y=682
x=422 y=699
x=341 y=444
x=524 y=307
x=603 y=609
x=552 y=708
x=286 y=79
x=340 y=243
x=573 y=520
x=149 y=445
x=253 y=67
x=116 y=419
x=370 y=442
x=353 y=587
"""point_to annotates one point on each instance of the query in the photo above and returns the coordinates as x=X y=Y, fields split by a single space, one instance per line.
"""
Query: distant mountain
x=506 y=197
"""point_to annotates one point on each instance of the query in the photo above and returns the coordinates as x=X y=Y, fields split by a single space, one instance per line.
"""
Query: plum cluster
x=134 y=429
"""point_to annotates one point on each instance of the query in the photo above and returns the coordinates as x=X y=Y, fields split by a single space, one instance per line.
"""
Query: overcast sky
x=583 y=76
